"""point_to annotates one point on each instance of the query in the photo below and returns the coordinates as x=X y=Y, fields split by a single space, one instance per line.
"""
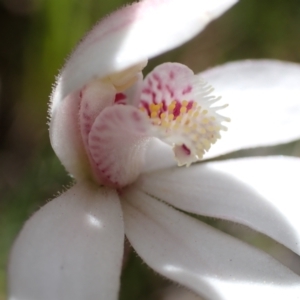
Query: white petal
x=66 y=138
x=262 y=193
x=264 y=105
x=71 y=248
x=213 y=264
x=133 y=34
x=158 y=156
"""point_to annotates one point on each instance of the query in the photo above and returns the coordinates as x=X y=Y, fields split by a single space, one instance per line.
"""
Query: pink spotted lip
x=171 y=104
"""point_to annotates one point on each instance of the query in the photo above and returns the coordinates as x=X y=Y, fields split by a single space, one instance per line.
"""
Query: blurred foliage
x=35 y=38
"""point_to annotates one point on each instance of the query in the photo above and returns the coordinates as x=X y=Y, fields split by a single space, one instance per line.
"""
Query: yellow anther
x=153 y=114
x=186 y=129
x=190 y=112
x=194 y=126
x=163 y=115
x=179 y=119
x=204 y=112
x=152 y=106
x=204 y=121
x=211 y=128
x=171 y=117
x=202 y=130
x=171 y=107
x=195 y=137
x=183 y=110
x=184 y=103
x=196 y=114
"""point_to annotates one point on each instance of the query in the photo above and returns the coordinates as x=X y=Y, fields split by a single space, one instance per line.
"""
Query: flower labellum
x=171 y=104
x=122 y=138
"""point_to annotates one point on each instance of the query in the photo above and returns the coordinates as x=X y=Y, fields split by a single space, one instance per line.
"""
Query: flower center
x=171 y=104
x=189 y=126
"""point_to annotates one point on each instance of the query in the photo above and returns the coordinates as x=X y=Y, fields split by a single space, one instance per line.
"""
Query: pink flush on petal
x=172 y=104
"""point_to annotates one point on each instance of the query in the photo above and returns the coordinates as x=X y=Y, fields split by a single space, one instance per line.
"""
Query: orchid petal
x=263 y=98
x=117 y=143
x=158 y=156
x=71 y=249
x=262 y=193
x=211 y=263
x=132 y=35
x=66 y=139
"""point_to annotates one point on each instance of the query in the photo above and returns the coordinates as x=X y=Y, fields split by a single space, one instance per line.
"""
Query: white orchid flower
x=122 y=137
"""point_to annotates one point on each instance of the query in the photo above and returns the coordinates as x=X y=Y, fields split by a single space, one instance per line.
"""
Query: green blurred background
x=35 y=38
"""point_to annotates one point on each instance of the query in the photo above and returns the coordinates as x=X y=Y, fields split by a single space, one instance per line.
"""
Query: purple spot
x=190 y=105
x=172 y=75
x=185 y=149
x=170 y=90
x=86 y=116
x=156 y=77
x=176 y=111
x=120 y=97
x=154 y=97
x=187 y=90
x=164 y=107
x=146 y=91
x=95 y=138
x=136 y=117
x=146 y=106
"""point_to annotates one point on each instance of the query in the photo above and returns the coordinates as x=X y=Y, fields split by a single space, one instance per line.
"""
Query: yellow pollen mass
x=153 y=114
x=184 y=103
x=183 y=110
x=171 y=117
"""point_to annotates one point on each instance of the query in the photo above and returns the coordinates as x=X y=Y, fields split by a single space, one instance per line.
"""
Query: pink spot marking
x=185 y=149
x=86 y=116
x=135 y=116
x=190 y=105
x=95 y=138
x=153 y=94
x=176 y=111
x=164 y=107
x=146 y=91
x=150 y=82
x=172 y=75
x=170 y=90
x=120 y=98
x=187 y=90
x=145 y=104
x=156 y=77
